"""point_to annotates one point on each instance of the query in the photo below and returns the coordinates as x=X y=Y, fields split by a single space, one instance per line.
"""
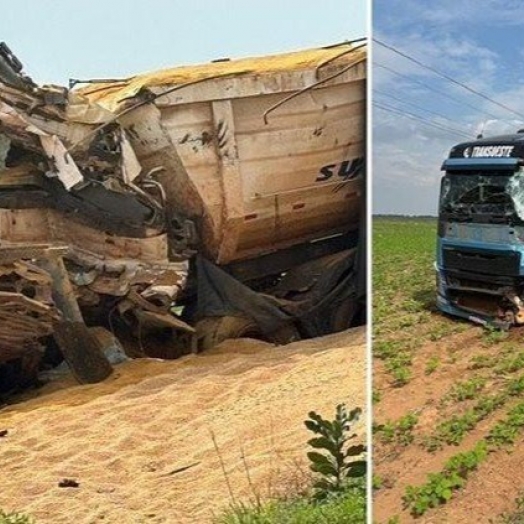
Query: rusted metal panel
x=230 y=175
x=27 y=311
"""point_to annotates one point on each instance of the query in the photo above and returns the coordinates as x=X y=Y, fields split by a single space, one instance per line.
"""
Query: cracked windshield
x=483 y=198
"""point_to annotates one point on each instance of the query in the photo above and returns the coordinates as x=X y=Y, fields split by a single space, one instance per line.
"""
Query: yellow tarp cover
x=109 y=95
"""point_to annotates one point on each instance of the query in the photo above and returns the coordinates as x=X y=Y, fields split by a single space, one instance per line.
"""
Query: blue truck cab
x=480 y=245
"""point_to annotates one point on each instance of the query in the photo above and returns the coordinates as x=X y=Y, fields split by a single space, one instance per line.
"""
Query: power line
x=419 y=118
x=424 y=121
x=431 y=88
x=448 y=78
x=420 y=108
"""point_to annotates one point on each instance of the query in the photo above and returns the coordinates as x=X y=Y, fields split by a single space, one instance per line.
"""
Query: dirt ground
x=442 y=389
x=492 y=490
x=143 y=444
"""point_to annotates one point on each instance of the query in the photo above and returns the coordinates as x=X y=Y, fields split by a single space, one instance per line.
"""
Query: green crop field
x=404 y=292
x=448 y=395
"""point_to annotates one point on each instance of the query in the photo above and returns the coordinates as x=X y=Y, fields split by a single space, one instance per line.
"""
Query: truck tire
x=213 y=330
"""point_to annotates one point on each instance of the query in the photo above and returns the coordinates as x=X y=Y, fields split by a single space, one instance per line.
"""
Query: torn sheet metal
x=131 y=167
x=79 y=109
x=64 y=166
x=119 y=277
x=27 y=311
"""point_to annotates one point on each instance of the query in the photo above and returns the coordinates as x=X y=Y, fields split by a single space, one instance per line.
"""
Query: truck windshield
x=483 y=197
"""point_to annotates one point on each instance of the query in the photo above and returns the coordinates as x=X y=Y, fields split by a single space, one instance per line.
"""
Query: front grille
x=480 y=286
x=482 y=261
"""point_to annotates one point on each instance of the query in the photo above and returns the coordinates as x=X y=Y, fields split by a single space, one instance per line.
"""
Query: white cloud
x=468 y=12
x=458 y=57
x=407 y=155
x=406 y=166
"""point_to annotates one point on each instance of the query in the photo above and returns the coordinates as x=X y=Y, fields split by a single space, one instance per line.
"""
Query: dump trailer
x=215 y=200
x=480 y=248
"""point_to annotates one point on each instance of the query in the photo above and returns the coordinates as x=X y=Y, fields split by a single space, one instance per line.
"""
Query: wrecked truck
x=480 y=263
x=215 y=201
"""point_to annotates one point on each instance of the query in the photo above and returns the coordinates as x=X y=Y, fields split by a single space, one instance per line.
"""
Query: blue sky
x=59 y=39
x=475 y=42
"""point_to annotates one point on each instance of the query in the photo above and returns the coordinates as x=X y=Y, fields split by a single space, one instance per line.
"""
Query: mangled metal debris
x=27 y=311
x=136 y=177
x=24 y=320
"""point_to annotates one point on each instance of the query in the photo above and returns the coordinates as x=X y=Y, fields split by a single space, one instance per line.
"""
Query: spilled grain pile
x=141 y=447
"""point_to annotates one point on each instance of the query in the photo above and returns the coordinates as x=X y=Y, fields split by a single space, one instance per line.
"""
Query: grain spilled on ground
x=141 y=443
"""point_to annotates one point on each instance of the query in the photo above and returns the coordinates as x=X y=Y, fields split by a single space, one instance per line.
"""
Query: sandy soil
x=141 y=443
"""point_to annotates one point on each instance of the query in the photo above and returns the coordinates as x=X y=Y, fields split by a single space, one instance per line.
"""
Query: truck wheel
x=213 y=330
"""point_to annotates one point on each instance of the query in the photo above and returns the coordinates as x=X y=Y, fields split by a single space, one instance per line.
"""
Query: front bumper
x=450 y=306
x=447 y=307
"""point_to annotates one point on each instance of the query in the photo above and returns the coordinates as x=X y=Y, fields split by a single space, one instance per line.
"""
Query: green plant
x=454 y=430
x=517 y=516
x=339 y=493
x=488 y=404
x=347 y=507
x=440 y=487
x=405 y=426
x=394 y=520
x=385 y=432
x=440 y=331
x=505 y=431
x=398 y=366
x=404 y=293
x=399 y=432
x=401 y=376
x=377 y=482
x=14 y=518
x=437 y=490
x=482 y=361
x=467 y=389
x=510 y=363
x=376 y=396
x=515 y=386
x=432 y=365
x=493 y=335
x=386 y=349
x=335 y=462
